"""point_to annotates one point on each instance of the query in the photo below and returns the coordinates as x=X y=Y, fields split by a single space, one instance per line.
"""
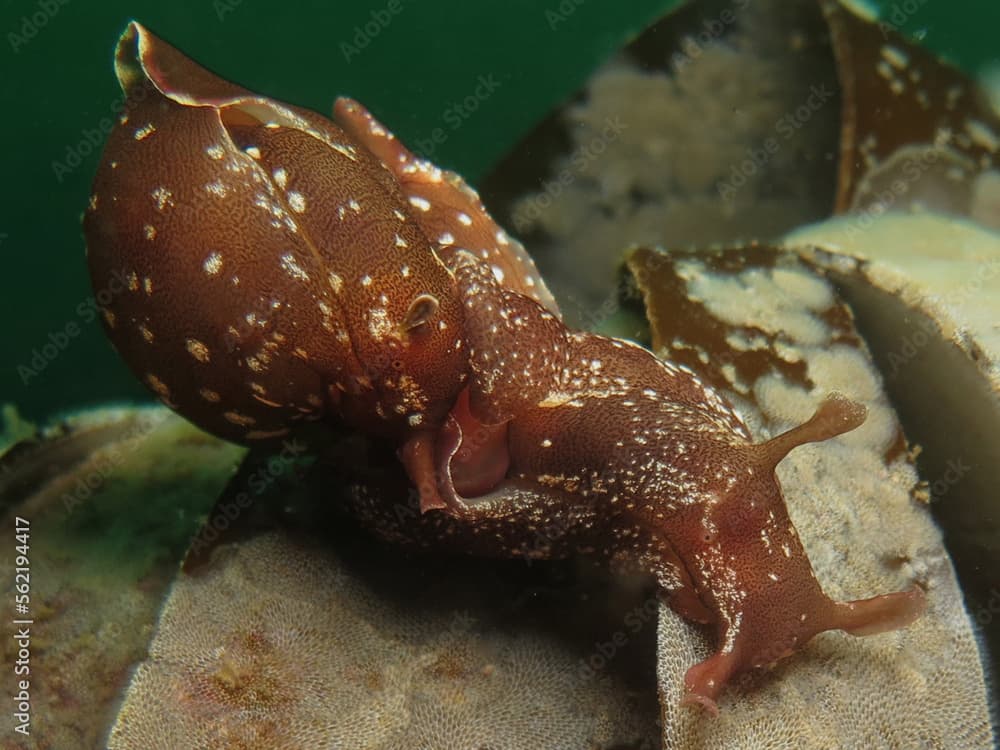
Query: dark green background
x=59 y=83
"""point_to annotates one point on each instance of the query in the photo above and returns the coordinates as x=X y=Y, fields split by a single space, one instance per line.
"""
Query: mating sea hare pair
x=283 y=268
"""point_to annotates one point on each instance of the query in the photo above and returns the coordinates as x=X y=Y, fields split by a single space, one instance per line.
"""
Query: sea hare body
x=279 y=268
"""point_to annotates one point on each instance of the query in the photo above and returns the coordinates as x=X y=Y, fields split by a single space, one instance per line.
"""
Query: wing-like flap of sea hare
x=522 y=333
x=915 y=130
x=446 y=207
x=141 y=56
x=771 y=334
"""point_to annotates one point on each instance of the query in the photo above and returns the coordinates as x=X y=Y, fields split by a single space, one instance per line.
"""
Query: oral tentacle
x=479 y=458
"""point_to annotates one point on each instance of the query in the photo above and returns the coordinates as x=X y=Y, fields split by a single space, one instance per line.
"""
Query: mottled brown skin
x=280 y=268
x=668 y=470
x=261 y=246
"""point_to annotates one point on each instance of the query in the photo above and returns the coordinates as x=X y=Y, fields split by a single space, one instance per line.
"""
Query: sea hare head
x=752 y=572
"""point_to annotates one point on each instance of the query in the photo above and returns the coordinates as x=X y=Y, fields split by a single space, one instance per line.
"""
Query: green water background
x=57 y=86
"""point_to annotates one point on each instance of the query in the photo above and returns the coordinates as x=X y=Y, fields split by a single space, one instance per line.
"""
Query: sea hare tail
x=880 y=614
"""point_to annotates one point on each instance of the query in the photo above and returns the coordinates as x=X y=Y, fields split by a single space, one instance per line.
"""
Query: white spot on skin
x=405 y=271
x=213 y=264
x=336 y=282
x=464 y=219
x=210 y=395
x=292 y=268
x=415 y=419
x=253 y=151
x=150 y=231
x=147 y=285
x=400 y=242
x=265 y=434
x=896 y=57
x=546 y=443
x=447 y=238
x=145 y=131
x=422 y=203
x=281 y=177
x=215 y=152
x=146 y=333
x=158 y=386
x=217 y=189
x=241 y=419
x=379 y=325
x=498 y=273
x=982 y=136
x=163 y=198
x=198 y=350
x=366 y=280
x=297 y=201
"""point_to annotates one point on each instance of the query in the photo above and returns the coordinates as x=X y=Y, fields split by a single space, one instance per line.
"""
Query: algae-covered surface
x=107 y=530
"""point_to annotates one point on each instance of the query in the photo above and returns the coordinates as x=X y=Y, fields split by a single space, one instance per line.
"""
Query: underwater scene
x=528 y=375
